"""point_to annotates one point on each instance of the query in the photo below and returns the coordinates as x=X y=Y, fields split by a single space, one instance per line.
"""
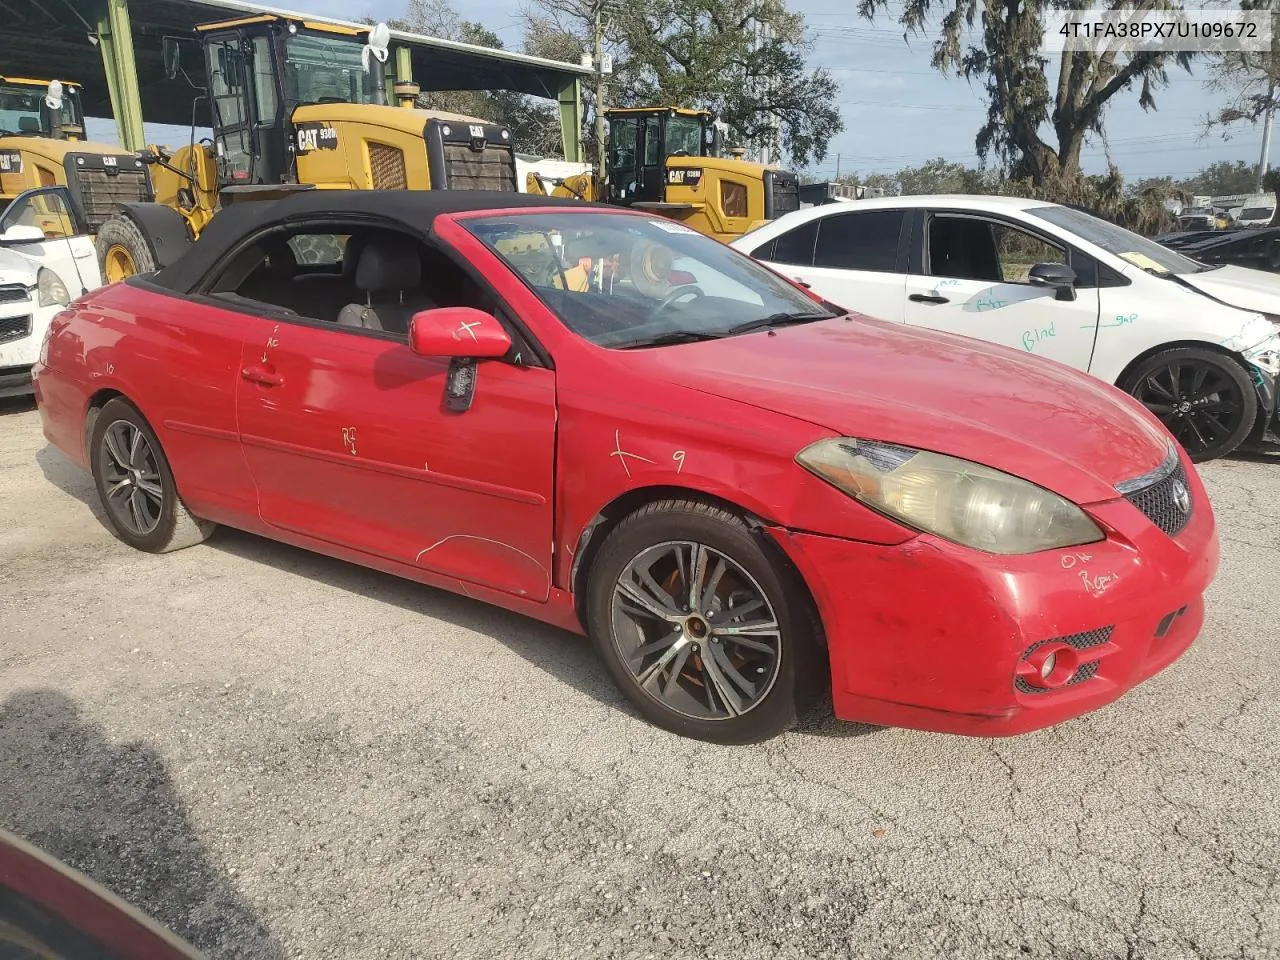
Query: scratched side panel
x=355 y=447
x=621 y=432
x=190 y=402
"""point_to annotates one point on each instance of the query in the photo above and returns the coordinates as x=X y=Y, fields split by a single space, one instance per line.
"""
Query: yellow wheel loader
x=42 y=144
x=295 y=104
x=667 y=159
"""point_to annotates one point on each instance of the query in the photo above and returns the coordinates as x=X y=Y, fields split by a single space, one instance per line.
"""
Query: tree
x=1222 y=177
x=745 y=64
x=1020 y=102
x=534 y=124
x=1248 y=78
x=932 y=176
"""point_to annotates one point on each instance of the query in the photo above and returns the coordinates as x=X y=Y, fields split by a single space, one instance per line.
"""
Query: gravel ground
x=279 y=755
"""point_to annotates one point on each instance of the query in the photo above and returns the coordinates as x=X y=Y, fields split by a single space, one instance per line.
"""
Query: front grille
x=1084 y=672
x=13 y=293
x=1167 y=503
x=781 y=193
x=487 y=169
x=102 y=193
x=387 y=166
x=1081 y=641
x=14 y=328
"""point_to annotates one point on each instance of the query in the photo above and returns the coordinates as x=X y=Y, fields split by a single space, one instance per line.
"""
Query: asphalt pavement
x=280 y=755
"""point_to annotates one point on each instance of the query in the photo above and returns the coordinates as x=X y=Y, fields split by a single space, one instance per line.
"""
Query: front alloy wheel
x=702 y=625
x=697 y=633
x=1204 y=398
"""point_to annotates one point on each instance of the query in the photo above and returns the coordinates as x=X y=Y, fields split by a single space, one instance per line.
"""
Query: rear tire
x=136 y=486
x=732 y=667
x=123 y=250
x=1206 y=399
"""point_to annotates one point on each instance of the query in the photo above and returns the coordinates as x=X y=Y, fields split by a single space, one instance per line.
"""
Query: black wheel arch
x=1150 y=352
x=618 y=509
x=1263 y=418
x=96 y=403
x=162 y=227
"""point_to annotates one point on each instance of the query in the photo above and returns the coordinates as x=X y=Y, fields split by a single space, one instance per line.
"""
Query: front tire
x=122 y=250
x=701 y=628
x=1205 y=398
x=136 y=486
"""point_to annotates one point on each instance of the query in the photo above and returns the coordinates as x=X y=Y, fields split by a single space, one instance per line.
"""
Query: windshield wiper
x=666 y=339
x=778 y=320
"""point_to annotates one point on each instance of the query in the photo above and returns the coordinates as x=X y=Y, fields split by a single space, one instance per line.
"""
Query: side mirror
x=172 y=56
x=1058 y=276
x=21 y=233
x=462 y=332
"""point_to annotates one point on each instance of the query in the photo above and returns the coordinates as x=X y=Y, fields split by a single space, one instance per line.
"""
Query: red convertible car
x=609 y=422
x=49 y=911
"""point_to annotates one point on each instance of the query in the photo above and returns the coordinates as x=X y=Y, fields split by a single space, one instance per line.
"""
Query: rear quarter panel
x=177 y=361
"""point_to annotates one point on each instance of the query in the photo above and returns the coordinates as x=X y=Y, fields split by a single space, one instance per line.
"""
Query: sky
x=897 y=110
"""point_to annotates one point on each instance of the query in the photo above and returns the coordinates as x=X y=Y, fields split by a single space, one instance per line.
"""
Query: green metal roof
x=51 y=38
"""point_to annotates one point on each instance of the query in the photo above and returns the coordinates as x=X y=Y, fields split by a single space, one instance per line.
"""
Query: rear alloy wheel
x=698 y=625
x=1205 y=398
x=136 y=485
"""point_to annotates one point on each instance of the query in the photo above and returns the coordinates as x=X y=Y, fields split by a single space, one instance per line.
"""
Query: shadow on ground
x=12 y=406
x=111 y=811
x=566 y=656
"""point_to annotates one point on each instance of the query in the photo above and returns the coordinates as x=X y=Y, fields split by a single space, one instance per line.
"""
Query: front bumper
x=15 y=381
x=930 y=635
x=1267 y=427
x=22 y=333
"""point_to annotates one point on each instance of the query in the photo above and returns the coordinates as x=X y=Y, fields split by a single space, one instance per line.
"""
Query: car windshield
x=23 y=110
x=1256 y=213
x=624 y=281
x=1125 y=244
x=328 y=69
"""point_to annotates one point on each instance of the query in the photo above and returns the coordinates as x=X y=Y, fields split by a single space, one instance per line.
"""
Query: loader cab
x=641 y=140
x=40 y=108
x=261 y=68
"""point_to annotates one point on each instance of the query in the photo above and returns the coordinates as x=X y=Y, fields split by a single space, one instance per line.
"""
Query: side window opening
x=796 y=246
x=368 y=278
x=1019 y=251
x=860 y=241
x=970 y=249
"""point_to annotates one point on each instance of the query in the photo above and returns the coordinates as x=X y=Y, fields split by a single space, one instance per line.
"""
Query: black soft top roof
x=411 y=210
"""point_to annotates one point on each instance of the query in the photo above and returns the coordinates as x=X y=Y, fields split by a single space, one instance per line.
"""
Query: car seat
x=389 y=273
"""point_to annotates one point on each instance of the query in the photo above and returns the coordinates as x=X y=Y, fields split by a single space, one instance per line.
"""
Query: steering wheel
x=682 y=290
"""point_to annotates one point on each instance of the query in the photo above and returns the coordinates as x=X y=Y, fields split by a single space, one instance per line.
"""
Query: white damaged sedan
x=1198 y=345
x=46 y=258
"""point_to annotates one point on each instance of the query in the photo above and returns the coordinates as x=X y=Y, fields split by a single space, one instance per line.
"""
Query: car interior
x=970 y=249
x=367 y=278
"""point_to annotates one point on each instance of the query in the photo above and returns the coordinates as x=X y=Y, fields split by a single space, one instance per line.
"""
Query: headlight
x=955 y=499
x=53 y=292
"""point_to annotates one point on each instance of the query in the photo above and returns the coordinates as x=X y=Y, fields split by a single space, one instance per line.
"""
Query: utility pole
x=1265 y=159
x=837 y=168
x=597 y=16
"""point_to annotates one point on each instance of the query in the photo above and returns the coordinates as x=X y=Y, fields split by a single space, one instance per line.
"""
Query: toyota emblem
x=1181 y=497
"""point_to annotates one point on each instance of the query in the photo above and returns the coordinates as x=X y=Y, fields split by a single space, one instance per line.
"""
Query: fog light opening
x=1046 y=668
x=1050 y=666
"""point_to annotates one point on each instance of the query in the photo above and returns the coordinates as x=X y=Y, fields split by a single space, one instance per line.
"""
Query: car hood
x=1240 y=287
x=1027 y=416
x=16 y=269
